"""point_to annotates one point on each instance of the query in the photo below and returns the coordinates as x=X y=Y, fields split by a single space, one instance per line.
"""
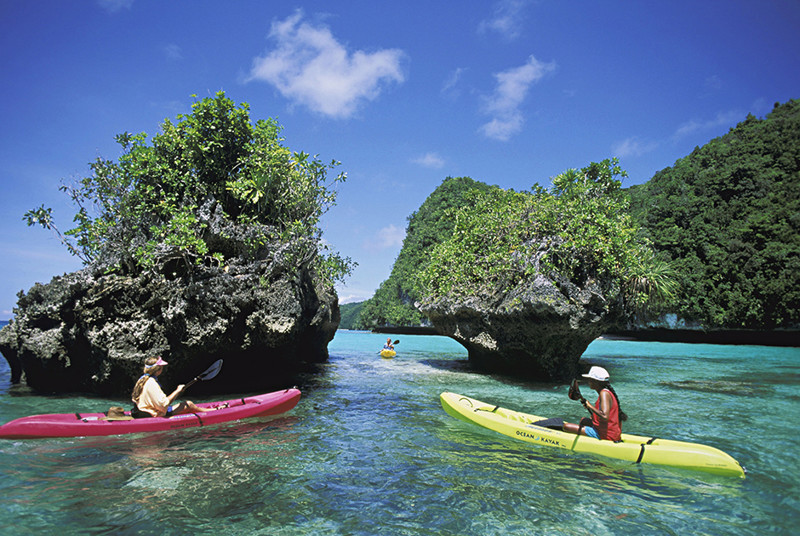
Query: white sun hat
x=597 y=373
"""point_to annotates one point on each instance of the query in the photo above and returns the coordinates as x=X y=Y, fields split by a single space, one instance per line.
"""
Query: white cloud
x=503 y=128
x=352 y=296
x=391 y=236
x=112 y=6
x=387 y=237
x=632 y=147
x=450 y=86
x=507 y=19
x=310 y=67
x=430 y=160
x=173 y=52
x=723 y=119
x=511 y=89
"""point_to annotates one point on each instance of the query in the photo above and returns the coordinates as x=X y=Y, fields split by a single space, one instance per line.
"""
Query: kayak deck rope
x=641 y=450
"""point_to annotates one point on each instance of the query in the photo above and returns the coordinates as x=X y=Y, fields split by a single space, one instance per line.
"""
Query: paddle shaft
x=209 y=374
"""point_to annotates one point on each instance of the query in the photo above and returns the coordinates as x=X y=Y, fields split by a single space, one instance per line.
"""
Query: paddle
x=210 y=373
x=575 y=392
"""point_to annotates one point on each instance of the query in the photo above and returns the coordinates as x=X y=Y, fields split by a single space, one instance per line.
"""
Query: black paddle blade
x=212 y=371
x=574 y=391
x=396 y=342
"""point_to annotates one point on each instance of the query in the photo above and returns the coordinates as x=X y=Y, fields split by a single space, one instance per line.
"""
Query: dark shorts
x=136 y=413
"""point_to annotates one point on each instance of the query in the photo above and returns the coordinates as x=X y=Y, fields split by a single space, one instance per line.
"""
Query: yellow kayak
x=637 y=449
x=388 y=354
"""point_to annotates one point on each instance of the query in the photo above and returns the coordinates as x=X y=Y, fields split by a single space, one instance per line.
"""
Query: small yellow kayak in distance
x=388 y=354
x=637 y=449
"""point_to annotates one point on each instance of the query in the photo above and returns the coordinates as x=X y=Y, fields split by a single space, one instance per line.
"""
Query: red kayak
x=98 y=424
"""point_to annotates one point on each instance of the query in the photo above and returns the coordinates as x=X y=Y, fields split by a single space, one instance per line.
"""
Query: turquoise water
x=369 y=451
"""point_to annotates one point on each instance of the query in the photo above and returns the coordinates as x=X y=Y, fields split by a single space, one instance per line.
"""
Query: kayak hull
x=388 y=354
x=93 y=424
x=633 y=448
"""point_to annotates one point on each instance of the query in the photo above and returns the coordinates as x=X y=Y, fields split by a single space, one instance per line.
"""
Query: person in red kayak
x=607 y=417
x=149 y=399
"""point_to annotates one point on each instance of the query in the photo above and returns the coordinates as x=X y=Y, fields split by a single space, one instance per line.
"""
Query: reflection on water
x=369 y=450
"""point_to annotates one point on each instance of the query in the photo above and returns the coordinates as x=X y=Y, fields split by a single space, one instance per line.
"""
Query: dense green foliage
x=152 y=208
x=393 y=303
x=728 y=217
x=350 y=313
x=579 y=229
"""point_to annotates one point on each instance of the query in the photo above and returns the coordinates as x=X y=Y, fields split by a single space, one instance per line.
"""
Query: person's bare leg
x=189 y=407
x=574 y=428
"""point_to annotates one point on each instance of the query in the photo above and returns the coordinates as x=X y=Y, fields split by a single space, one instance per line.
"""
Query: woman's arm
x=602 y=410
x=178 y=390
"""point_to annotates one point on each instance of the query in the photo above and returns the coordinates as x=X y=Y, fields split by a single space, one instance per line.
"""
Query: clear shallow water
x=369 y=450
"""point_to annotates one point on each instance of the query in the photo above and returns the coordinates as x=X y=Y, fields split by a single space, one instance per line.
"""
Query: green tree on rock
x=210 y=187
x=580 y=229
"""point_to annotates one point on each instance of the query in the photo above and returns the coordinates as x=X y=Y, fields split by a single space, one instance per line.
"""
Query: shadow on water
x=726 y=387
x=449 y=365
x=750 y=384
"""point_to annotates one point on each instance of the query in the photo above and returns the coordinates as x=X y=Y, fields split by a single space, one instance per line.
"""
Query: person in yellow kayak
x=607 y=417
x=388 y=345
x=149 y=399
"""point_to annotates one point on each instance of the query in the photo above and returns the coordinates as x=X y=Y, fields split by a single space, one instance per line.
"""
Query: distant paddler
x=388 y=348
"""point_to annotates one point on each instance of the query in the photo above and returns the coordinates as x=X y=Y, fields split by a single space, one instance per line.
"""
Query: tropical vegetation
x=210 y=187
x=350 y=313
x=393 y=302
x=727 y=217
x=580 y=229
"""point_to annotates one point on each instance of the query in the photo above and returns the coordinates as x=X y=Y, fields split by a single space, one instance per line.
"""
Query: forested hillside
x=728 y=217
x=350 y=313
x=393 y=303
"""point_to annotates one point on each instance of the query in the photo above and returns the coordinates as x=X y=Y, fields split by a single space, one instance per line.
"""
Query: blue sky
x=404 y=94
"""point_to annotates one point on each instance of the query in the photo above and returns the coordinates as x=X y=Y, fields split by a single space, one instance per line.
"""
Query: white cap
x=597 y=373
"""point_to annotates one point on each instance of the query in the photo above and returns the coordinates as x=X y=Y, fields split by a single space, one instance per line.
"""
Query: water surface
x=369 y=450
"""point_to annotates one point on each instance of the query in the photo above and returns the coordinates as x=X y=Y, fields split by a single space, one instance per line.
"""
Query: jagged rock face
x=88 y=333
x=537 y=330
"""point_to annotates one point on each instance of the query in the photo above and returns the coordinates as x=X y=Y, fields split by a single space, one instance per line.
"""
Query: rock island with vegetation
x=716 y=238
x=201 y=244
